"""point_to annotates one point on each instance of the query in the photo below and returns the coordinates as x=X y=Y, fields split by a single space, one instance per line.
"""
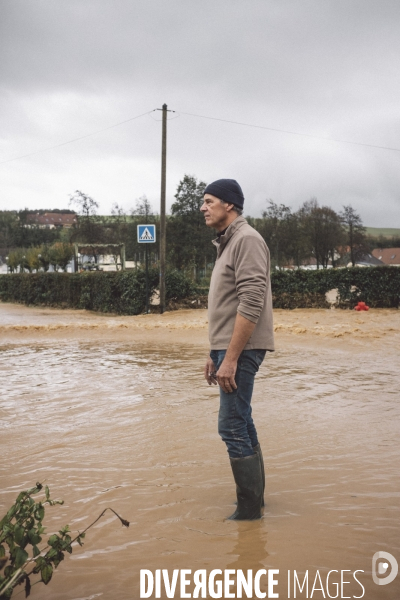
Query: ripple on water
x=134 y=427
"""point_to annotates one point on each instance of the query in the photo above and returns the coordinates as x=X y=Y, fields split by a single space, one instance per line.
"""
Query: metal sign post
x=146 y=234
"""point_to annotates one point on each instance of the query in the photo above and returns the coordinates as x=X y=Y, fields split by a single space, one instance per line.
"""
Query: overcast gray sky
x=327 y=68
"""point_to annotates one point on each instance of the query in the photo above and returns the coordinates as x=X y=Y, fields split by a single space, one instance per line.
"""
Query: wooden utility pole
x=162 y=208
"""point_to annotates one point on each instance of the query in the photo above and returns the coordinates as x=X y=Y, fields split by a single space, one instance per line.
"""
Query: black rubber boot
x=259 y=452
x=249 y=487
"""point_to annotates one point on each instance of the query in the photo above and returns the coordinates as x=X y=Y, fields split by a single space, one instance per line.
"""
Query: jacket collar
x=221 y=242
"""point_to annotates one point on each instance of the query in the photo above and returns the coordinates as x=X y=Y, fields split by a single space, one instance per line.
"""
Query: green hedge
x=125 y=292
x=121 y=292
x=379 y=287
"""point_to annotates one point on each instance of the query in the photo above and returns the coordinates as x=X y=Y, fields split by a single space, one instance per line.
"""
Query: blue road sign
x=146 y=234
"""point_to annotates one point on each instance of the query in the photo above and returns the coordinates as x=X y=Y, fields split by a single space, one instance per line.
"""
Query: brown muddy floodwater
x=113 y=411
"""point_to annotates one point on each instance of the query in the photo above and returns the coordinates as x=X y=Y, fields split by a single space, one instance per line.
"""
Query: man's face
x=216 y=213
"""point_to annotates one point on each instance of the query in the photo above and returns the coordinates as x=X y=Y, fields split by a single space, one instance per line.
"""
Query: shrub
x=22 y=547
x=178 y=286
x=379 y=287
x=122 y=292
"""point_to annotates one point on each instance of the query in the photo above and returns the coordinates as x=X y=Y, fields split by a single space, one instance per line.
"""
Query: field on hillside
x=385 y=231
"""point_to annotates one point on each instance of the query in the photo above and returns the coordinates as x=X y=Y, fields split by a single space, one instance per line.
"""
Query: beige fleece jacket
x=240 y=283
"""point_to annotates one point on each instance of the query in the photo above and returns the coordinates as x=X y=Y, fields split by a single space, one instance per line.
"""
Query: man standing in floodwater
x=240 y=333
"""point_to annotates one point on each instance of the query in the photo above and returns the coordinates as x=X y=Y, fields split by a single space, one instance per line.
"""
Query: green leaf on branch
x=11 y=512
x=19 y=533
x=39 y=512
x=20 y=557
x=22 y=526
x=54 y=502
x=59 y=557
x=33 y=537
x=8 y=571
x=53 y=540
x=39 y=564
x=46 y=572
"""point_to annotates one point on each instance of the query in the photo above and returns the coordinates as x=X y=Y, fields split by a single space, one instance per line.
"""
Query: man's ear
x=229 y=207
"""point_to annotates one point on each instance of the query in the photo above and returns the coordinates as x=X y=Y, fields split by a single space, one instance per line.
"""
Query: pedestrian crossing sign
x=146 y=234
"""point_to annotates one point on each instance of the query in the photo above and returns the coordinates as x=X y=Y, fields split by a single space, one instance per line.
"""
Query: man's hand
x=241 y=334
x=226 y=375
x=209 y=372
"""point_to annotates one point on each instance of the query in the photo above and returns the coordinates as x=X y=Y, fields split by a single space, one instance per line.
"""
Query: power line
x=309 y=135
x=287 y=131
x=78 y=138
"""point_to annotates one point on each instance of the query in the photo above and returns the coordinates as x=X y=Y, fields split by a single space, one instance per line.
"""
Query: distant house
x=308 y=264
x=367 y=260
x=363 y=260
x=3 y=261
x=51 y=220
x=389 y=256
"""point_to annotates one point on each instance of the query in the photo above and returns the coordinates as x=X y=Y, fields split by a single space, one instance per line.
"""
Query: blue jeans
x=235 y=423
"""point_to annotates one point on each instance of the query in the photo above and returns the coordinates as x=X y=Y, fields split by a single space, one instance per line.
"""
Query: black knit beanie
x=227 y=190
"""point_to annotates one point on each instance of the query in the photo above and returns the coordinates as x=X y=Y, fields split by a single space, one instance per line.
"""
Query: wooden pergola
x=95 y=250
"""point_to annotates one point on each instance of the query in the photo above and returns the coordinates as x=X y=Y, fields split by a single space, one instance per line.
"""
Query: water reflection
x=250 y=549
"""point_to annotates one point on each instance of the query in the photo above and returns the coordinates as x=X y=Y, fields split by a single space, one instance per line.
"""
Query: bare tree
x=143 y=207
x=89 y=226
x=117 y=230
x=118 y=213
x=86 y=204
x=356 y=238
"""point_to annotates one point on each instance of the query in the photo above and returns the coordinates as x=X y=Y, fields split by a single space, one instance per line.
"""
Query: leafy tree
x=323 y=231
x=32 y=259
x=8 y=229
x=40 y=257
x=44 y=257
x=14 y=232
x=297 y=247
x=189 y=197
x=33 y=235
x=15 y=259
x=283 y=234
x=188 y=238
x=276 y=219
x=60 y=254
x=355 y=232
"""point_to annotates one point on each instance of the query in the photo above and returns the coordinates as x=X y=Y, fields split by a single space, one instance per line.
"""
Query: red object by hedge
x=361 y=306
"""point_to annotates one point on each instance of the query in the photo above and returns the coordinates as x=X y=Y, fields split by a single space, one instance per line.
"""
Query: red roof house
x=389 y=256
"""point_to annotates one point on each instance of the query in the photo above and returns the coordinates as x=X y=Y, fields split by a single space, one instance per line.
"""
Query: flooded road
x=113 y=411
